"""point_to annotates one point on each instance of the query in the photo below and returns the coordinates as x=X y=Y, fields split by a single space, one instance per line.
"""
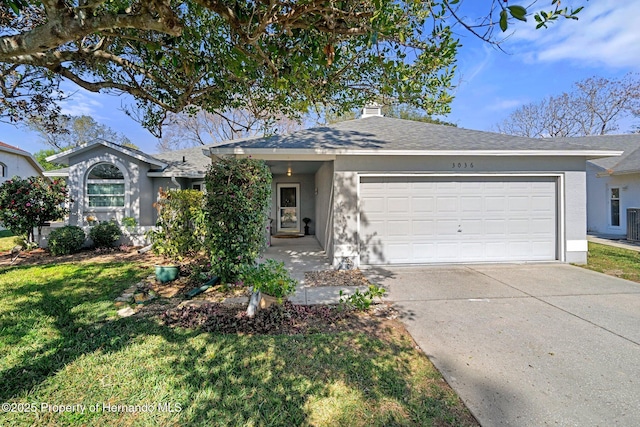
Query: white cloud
x=83 y=103
x=606 y=34
x=505 y=104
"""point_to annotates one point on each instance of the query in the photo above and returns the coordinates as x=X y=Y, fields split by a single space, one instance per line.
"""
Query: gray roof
x=390 y=134
x=629 y=162
x=189 y=162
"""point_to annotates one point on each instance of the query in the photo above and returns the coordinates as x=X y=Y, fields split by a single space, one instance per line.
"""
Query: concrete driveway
x=530 y=344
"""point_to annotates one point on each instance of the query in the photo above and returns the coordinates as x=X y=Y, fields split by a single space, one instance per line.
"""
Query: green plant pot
x=167 y=273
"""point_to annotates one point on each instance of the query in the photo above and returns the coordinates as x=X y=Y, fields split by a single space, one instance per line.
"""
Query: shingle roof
x=4 y=145
x=629 y=162
x=188 y=162
x=385 y=133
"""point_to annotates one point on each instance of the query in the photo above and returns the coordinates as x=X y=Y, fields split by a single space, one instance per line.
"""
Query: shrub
x=181 y=224
x=105 y=234
x=66 y=240
x=237 y=200
x=31 y=202
x=362 y=300
x=270 y=277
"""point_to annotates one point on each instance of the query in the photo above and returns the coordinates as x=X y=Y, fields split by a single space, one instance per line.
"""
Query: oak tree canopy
x=279 y=56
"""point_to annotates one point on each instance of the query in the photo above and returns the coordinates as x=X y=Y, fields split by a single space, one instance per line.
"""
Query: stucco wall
x=307 y=199
x=598 y=200
x=138 y=187
x=571 y=197
x=16 y=165
x=324 y=203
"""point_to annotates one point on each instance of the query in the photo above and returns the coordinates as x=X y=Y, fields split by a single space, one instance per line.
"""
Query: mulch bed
x=335 y=278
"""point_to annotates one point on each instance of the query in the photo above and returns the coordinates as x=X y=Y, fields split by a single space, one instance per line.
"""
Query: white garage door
x=430 y=220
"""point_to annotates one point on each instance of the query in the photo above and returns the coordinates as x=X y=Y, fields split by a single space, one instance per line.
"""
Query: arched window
x=3 y=170
x=105 y=186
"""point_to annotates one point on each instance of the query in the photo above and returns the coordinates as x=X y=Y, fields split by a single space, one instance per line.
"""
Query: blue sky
x=490 y=83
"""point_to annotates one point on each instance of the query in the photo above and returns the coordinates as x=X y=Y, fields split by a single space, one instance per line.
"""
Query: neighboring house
x=377 y=190
x=613 y=183
x=17 y=162
x=388 y=191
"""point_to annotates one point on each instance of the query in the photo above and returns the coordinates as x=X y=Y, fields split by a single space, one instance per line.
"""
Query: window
x=105 y=186
x=615 y=207
x=3 y=170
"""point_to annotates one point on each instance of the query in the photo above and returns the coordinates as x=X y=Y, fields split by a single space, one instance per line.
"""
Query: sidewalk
x=299 y=256
x=617 y=241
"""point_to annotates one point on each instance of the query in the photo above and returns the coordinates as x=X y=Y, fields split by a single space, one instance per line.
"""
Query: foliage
x=362 y=300
x=594 y=107
x=237 y=200
x=129 y=222
x=73 y=131
x=105 y=234
x=66 y=240
x=406 y=112
x=181 y=224
x=41 y=158
x=270 y=277
x=31 y=202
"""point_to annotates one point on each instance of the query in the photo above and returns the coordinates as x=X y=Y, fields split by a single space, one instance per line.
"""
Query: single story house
x=381 y=191
x=613 y=185
x=16 y=162
x=377 y=190
x=108 y=181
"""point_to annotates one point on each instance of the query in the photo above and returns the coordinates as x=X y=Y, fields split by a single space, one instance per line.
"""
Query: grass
x=619 y=262
x=62 y=343
x=7 y=240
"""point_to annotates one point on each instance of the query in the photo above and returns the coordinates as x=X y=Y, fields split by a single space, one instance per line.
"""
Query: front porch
x=302 y=254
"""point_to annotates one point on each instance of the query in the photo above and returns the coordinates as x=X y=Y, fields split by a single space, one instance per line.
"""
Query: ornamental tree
x=29 y=203
x=279 y=56
x=237 y=202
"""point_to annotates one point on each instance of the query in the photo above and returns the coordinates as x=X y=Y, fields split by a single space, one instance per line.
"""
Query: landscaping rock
x=193 y=303
x=126 y=297
x=126 y=312
x=236 y=300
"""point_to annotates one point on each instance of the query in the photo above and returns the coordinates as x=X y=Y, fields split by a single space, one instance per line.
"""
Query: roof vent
x=373 y=110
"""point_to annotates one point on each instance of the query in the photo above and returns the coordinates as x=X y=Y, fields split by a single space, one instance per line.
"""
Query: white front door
x=288 y=208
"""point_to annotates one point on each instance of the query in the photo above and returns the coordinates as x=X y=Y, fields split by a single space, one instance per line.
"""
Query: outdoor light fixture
x=288 y=171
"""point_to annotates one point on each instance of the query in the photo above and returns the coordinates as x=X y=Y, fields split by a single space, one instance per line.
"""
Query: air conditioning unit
x=633 y=224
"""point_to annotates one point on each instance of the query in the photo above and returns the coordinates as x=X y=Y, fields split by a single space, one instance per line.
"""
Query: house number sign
x=462 y=165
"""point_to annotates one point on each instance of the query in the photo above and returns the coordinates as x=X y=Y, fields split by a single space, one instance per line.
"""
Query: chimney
x=372 y=110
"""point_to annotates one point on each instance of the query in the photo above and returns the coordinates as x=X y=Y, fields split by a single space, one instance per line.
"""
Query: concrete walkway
x=529 y=344
x=617 y=241
x=299 y=256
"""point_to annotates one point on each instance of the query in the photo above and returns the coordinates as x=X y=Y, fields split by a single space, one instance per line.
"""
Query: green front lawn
x=61 y=343
x=7 y=240
x=614 y=261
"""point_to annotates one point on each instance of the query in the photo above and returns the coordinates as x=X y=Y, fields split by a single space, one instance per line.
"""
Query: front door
x=288 y=208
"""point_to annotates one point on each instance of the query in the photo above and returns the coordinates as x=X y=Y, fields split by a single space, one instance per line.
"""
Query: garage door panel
x=500 y=219
x=423 y=205
x=422 y=228
x=398 y=204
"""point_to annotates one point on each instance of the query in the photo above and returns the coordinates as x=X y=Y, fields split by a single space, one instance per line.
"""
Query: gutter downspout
x=173 y=179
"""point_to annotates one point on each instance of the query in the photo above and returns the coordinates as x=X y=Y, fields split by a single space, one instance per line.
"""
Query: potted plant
x=306 y=225
x=179 y=232
x=271 y=279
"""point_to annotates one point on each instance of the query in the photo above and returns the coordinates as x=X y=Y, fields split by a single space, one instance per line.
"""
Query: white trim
x=83 y=198
x=281 y=153
x=577 y=245
x=84 y=147
x=279 y=227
